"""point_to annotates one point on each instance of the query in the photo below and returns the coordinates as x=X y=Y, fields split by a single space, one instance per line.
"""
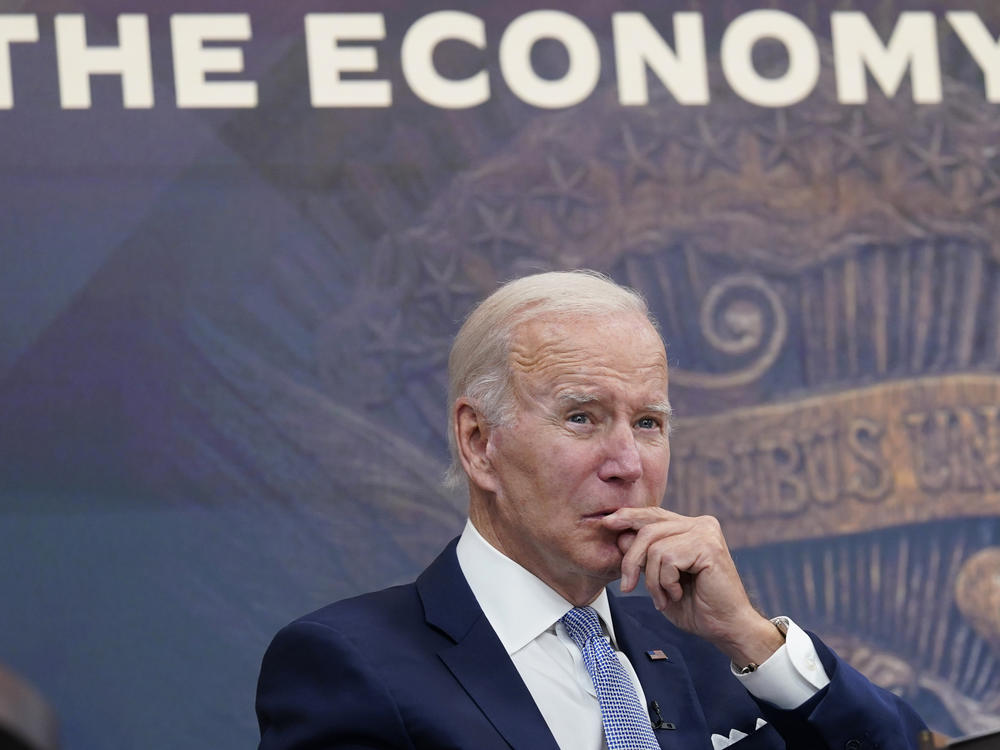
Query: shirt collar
x=518 y=604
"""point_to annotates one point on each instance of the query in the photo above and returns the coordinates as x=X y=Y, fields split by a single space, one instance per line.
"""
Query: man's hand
x=693 y=580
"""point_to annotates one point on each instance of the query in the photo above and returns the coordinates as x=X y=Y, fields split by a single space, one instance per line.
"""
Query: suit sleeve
x=850 y=712
x=316 y=691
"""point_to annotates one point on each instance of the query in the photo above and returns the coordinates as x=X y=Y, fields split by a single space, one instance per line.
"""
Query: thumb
x=625 y=540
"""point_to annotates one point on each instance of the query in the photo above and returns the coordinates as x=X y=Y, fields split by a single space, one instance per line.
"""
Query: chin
x=608 y=566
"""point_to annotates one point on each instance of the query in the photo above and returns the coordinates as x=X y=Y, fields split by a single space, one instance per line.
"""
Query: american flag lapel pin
x=657 y=655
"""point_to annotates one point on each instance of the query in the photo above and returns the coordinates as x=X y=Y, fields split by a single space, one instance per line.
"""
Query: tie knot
x=582 y=624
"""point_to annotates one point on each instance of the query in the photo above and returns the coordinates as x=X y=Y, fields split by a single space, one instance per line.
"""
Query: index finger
x=633 y=521
x=636 y=518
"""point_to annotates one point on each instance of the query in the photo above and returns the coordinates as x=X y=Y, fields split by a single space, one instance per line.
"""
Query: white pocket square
x=719 y=741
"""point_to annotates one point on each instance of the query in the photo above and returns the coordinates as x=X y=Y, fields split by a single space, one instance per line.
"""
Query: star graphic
x=385 y=338
x=390 y=349
x=441 y=284
x=983 y=160
x=991 y=190
x=933 y=160
x=637 y=157
x=858 y=144
x=707 y=147
x=564 y=188
x=785 y=144
x=499 y=231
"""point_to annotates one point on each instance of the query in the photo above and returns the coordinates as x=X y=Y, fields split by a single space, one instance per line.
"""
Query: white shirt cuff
x=791 y=676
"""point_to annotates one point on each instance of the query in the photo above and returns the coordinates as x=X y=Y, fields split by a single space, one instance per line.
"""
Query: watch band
x=781 y=623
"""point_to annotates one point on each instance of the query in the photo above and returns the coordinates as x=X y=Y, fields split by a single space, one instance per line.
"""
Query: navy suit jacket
x=419 y=666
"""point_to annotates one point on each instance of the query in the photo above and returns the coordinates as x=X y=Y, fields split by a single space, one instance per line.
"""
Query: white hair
x=479 y=363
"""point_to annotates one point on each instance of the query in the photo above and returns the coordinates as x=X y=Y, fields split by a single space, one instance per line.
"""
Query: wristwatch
x=781 y=623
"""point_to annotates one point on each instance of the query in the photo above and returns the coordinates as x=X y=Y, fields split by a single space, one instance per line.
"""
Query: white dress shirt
x=525 y=613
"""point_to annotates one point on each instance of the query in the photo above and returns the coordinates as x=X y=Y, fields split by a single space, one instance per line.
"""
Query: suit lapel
x=664 y=681
x=482 y=667
x=477 y=659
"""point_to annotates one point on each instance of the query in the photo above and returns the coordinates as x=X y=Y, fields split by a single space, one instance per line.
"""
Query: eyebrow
x=660 y=407
x=574 y=398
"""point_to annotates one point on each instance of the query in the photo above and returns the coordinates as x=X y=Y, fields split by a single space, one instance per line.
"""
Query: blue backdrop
x=227 y=301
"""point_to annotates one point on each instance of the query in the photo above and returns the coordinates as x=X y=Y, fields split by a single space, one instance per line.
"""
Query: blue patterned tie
x=626 y=723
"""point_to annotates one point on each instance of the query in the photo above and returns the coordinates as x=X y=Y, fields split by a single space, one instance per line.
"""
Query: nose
x=622 y=462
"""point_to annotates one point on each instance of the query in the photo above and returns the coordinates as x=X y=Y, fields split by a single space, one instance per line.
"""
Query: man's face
x=589 y=436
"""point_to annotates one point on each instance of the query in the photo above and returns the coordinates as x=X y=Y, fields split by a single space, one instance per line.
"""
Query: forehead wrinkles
x=546 y=350
x=533 y=353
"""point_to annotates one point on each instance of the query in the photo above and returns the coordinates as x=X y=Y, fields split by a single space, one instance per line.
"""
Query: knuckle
x=710 y=523
x=645 y=534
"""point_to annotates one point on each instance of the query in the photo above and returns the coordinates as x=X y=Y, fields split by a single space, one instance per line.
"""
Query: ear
x=472 y=437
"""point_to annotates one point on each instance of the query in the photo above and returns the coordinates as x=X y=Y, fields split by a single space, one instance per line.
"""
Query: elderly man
x=560 y=423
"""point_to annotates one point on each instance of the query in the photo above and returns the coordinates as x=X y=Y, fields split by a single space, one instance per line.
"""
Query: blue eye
x=579 y=419
x=647 y=423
